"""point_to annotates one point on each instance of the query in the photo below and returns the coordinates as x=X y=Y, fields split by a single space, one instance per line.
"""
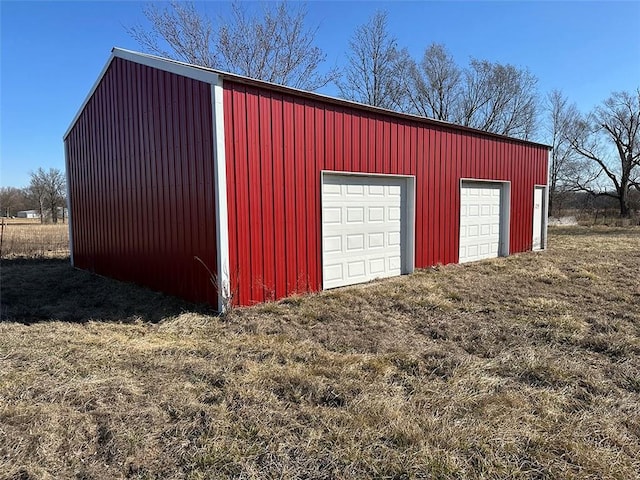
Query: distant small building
x=62 y=213
x=28 y=214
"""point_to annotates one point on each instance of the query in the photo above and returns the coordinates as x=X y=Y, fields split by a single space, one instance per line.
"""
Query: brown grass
x=31 y=239
x=520 y=367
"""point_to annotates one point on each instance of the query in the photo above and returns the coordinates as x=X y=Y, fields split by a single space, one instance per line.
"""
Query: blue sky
x=52 y=52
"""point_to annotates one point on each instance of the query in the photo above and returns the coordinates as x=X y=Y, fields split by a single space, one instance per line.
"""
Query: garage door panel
x=376 y=240
x=356 y=269
x=355 y=190
x=355 y=242
x=480 y=210
x=333 y=244
x=332 y=215
x=362 y=226
x=376 y=265
x=376 y=190
x=333 y=272
x=376 y=214
x=355 y=215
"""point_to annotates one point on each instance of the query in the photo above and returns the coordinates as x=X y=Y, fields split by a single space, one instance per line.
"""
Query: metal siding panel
x=242 y=197
x=515 y=200
x=329 y=126
x=431 y=204
x=345 y=153
x=338 y=129
x=379 y=150
x=137 y=174
x=365 y=143
x=290 y=187
x=448 y=201
x=255 y=199
x=300 y=195
x=453 y=207
x=421 y=195
x=125 y=175
x=394 y=146
x=162 y=162
x=356 y=129
x=312 y=192
x=279 y=203
x=183 y=198
x=177 y=158
x=118 y=173
x=266 y=160
x=437 y=205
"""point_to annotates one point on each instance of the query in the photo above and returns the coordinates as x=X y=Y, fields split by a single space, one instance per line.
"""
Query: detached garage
x=219 y=188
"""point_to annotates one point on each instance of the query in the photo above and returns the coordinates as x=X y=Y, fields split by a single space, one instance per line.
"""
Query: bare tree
x=484 y=95
x=608 y=140
x=47 y=190
x=12 y=200
x=561 y=115
x=435 y=84
x=498 y=98
x=275 y=46
x=180 y=27
x=375 y=66
x=280 y=50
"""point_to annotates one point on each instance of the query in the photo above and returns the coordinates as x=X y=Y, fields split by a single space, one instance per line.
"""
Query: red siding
x=140 y=161
x=276 y=146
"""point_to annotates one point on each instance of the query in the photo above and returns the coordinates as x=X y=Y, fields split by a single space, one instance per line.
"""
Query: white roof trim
x=171 y=66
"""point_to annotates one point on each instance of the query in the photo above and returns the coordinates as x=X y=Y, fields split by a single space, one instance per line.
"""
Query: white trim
x=545 y=216
x=364 y=174
x=167 y=65
x=408 y=264
x=220 y=181
x=545 y=219
x=505 y=211
x=69 y=226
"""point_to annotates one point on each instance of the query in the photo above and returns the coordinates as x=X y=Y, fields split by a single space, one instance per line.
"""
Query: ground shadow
x=37 y=290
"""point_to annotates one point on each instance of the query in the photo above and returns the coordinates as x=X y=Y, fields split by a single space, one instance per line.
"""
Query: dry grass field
x=22 y=237
x=519 y=367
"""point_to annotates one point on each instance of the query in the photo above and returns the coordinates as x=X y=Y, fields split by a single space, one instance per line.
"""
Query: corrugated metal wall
x=276 y=146
x=140 y=160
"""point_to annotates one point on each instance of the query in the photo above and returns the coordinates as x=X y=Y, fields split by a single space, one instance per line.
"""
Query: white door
x=479 y=221
x=538 y=212
x=363 y=222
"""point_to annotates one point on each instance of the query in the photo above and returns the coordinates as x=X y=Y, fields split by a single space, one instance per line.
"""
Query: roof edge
x=370 y=108
x=165 y=64
x=212 y=76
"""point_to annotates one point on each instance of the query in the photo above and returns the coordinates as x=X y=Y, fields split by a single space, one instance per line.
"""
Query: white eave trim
x=163 y=64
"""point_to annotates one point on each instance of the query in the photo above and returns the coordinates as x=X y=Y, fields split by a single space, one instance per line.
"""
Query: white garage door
x=363 y=221
x=479 y=221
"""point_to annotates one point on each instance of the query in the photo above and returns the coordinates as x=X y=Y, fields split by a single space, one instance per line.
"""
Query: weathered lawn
x=520 y=367
x=29 y=238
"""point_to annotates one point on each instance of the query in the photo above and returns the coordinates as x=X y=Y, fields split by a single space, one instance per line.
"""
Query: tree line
x=596 y=152
x=46 y=194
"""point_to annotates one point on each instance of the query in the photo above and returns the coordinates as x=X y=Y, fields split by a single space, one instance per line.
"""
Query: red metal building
x=219 y=188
